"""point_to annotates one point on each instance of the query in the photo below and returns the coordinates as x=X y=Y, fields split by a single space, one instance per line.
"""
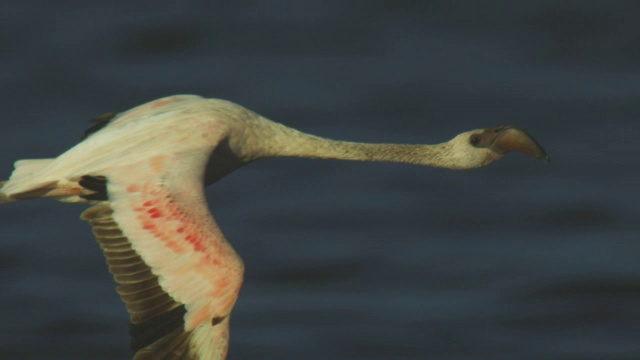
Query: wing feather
x=177 y=275
x=158 y=327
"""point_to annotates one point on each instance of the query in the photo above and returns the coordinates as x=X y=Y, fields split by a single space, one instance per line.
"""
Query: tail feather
x=3 y=198
x=30 y=180
x=25 y=178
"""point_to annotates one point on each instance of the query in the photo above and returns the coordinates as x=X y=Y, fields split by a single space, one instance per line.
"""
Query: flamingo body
x=144 y=170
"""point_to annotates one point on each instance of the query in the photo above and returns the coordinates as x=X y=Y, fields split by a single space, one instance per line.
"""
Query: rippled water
x=351 y=260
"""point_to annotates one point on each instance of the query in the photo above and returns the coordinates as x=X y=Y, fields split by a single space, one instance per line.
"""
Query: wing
x=177 y=274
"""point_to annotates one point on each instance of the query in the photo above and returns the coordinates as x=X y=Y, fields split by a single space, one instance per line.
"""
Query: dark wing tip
x=97 y=184
x=100 y=122
x=148 y=332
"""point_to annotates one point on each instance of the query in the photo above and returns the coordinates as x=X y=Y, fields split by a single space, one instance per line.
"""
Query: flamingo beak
x=504 y=139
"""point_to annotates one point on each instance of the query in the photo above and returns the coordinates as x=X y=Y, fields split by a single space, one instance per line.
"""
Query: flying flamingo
x=144 y=170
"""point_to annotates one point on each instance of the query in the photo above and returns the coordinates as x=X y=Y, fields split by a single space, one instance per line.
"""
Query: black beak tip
x=545 y=158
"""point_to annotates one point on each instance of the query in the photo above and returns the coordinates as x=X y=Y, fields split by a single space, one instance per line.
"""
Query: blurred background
x=520 y=260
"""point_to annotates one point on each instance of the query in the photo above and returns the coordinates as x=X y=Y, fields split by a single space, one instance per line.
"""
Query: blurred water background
x=519 y=260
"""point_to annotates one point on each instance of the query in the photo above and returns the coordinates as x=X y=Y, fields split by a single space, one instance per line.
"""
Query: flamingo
x=143 y=171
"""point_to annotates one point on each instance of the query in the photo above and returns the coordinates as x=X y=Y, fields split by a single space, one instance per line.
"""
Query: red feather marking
x=163 y=219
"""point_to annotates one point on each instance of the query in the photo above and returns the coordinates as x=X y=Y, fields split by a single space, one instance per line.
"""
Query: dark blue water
x=351 y=260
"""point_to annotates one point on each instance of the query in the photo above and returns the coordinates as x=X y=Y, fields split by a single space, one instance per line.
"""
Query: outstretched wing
x=177 y=275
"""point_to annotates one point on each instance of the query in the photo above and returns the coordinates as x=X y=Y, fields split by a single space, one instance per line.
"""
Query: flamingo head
x=482 y=147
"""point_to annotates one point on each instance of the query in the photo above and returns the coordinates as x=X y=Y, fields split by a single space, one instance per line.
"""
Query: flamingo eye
x=474 y=139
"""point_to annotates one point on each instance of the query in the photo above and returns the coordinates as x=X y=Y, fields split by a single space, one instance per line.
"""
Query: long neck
x=276 y=140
